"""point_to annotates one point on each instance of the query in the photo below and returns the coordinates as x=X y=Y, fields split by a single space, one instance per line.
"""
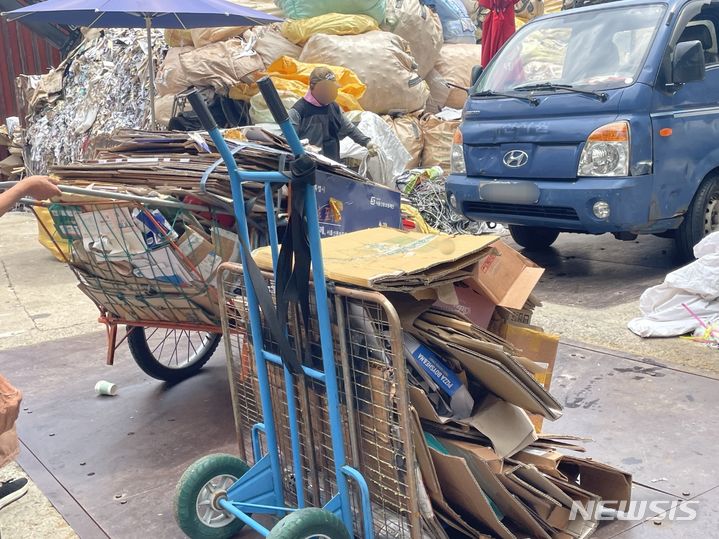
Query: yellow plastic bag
x=60 y=248
x=337 y=24
x=293 y=76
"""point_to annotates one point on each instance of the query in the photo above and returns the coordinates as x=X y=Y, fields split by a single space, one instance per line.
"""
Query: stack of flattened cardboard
x=173 y=162
x=485 y=468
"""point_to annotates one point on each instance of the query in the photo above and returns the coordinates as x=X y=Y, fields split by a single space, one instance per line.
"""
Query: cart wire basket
x=373 y=398
x=149 y=264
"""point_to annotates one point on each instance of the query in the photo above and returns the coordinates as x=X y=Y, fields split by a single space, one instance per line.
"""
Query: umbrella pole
x=150 y=71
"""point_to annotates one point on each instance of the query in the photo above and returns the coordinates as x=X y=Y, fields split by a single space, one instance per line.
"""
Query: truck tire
x=533 y=238
x=701 y=219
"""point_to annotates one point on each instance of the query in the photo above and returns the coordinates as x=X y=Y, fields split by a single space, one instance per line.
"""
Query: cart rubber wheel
x=166 y=363
x=202 y=484
x=701 y=220
x=533 y=237
x=310 y=523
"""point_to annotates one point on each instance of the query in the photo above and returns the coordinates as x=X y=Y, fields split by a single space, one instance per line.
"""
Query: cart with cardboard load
x=146 y=223
x=378 y=393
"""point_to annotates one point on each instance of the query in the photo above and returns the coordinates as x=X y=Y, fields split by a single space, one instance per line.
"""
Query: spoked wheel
x=198 y=492
x=171 y=355
x=310 y=523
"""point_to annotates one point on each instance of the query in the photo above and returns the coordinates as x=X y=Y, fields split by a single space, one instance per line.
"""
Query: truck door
x=685 y=120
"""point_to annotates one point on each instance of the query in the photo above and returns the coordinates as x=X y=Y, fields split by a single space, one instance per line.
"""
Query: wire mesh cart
x=152 y=274
x=321 y=460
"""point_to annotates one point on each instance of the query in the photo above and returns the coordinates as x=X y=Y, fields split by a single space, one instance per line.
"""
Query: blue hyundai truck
x=594 y=120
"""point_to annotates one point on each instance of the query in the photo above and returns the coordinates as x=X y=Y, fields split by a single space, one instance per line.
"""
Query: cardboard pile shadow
x=478 y=376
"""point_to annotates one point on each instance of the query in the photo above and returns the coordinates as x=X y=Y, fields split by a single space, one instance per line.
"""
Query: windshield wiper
x=491 y=93
x=551 y=86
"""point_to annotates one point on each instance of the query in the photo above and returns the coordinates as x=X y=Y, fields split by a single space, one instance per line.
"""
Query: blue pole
x=328 y=357
x=238 y=202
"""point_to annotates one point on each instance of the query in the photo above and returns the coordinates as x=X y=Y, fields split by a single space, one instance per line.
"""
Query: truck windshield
x=594 y=50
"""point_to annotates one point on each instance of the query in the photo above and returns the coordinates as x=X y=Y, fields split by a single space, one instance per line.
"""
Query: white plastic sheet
x=695 y=287
x=392 y=156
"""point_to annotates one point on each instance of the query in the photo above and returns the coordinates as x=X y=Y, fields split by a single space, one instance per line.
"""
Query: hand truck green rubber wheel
x=309 y=523
x=202 y=485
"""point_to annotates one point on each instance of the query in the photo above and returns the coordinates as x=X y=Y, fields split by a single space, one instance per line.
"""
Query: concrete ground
x=39 y=302
x=590 y=291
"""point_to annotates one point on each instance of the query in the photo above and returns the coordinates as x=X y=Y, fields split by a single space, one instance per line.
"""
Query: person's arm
x=348 y=129
x=295 y=120
x=37 y=187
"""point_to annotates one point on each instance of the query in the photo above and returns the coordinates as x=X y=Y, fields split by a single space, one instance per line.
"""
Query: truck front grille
x=548 y=212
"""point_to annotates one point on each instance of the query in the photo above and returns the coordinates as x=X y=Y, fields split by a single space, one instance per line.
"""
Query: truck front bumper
x=560 y=204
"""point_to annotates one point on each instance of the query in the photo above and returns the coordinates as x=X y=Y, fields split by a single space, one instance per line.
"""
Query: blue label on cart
x=430 y=363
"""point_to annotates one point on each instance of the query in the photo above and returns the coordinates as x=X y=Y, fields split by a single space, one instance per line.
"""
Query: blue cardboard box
x=347 y=205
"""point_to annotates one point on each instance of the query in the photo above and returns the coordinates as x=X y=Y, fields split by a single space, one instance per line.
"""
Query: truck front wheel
x=701 y=219
x=534 y=238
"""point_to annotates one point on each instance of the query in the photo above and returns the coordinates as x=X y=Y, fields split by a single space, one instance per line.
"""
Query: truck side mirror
x=476 y=73
x=688 y=62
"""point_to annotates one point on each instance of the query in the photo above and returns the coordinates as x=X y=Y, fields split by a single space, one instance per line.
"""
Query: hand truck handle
x=272 y=98
x=200 y=107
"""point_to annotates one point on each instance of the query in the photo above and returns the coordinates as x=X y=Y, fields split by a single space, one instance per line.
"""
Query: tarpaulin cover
x=304 y=9
x=695 y=285
x=458 y=27
x=336 y=24
x=498 y=27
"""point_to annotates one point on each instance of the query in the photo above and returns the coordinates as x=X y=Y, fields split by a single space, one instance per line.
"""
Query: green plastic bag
x=304 y=9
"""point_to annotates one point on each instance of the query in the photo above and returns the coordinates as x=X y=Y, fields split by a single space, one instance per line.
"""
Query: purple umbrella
x=142 y=14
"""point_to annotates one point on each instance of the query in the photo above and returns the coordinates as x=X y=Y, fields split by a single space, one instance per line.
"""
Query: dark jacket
x=324 y=127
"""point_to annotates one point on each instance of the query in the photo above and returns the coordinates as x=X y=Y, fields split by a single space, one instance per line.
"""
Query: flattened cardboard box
x=505 y=276
x=390 y=259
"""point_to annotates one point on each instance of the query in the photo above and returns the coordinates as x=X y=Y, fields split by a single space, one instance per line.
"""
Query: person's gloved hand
x=372 y=149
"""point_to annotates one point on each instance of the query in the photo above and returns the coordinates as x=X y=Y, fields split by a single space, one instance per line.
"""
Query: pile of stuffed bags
x=404 y=60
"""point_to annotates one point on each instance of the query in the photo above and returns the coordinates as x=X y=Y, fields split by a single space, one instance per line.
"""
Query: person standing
x=319 y=119
x=39 y=188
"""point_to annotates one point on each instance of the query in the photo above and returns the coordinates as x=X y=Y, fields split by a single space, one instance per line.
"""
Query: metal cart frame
x=260 y=490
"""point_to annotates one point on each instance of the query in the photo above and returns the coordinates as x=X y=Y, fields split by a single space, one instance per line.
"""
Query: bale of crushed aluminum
x=104 y=88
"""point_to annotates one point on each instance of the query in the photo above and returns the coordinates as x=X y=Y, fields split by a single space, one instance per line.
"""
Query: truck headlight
x=456 y=157
x=606 y=152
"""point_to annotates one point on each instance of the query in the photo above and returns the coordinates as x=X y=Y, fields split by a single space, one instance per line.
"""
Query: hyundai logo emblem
x=516 y=158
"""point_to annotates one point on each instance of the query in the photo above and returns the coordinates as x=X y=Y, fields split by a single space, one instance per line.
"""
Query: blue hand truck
x=220 y=494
